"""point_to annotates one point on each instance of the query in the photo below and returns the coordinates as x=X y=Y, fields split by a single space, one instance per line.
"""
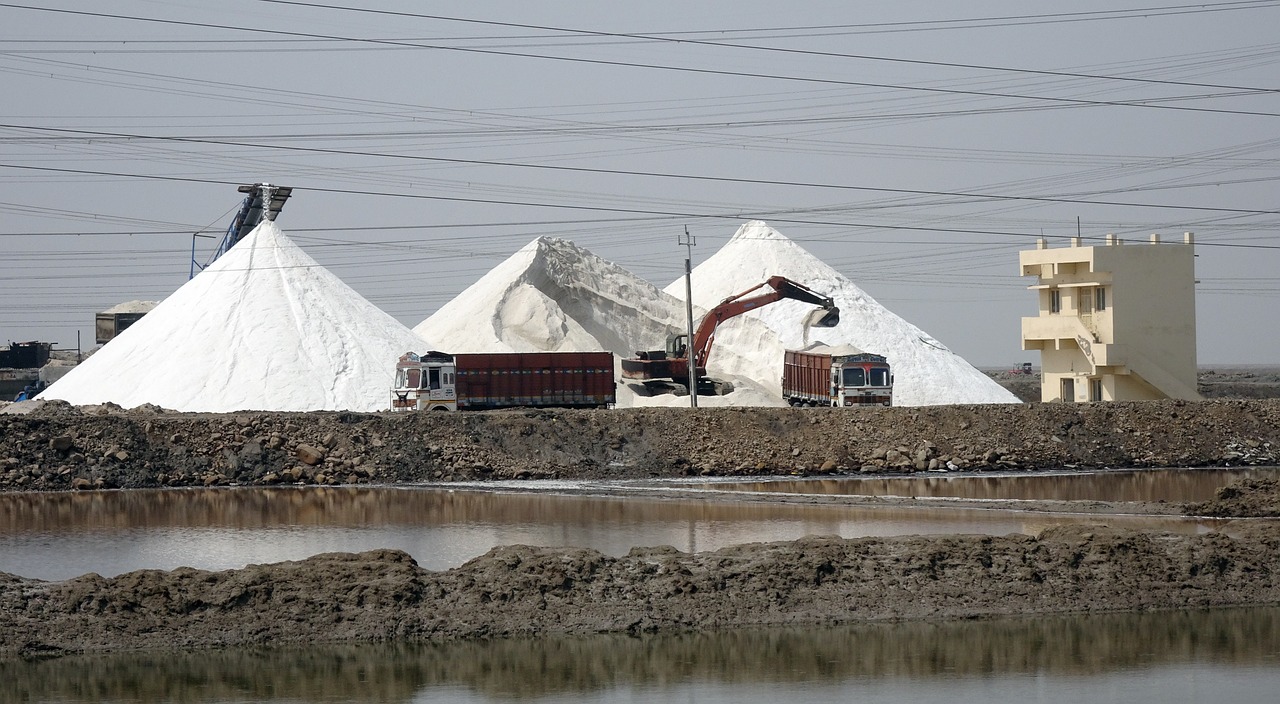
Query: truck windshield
x=855 y=376
x=414 y=379
x=879 y=376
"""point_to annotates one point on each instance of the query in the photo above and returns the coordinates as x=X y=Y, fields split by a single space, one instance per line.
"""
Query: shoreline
x=520 y=591
x=528 y=592
x=56 y=446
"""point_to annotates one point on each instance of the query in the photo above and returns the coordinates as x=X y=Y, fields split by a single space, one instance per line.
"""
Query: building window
x=1095 y=387
x=1068 y=389
x=1100 y=298
x=1055 y=301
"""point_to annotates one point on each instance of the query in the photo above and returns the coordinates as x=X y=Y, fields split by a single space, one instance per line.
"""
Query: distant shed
x=117 y=319
x=19 y=366
x=25 y=355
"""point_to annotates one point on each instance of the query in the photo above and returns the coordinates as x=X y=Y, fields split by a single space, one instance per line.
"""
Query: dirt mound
x=60 y=447
x=1240 y=382
x=524 y=591
x=1247 y=498
x=1217 y=383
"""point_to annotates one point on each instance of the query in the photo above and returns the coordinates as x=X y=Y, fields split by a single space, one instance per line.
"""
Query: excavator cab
x=677 y=346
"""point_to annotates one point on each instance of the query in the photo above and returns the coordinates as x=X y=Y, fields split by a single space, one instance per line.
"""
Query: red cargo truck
x=438 y=381
x=836 y=376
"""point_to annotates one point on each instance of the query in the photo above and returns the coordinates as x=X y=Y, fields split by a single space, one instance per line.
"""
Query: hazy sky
x=914 y=146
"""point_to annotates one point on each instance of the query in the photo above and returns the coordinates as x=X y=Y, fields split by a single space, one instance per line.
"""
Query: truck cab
x=425 y=383
x=839 y=376
x=861 y=380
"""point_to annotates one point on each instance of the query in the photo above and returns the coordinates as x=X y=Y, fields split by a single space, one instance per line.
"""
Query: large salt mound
x=263 y=328
x=925 y=371
x=554 y=296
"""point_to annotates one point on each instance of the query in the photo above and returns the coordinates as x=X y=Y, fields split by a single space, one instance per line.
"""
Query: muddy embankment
x=60 y=447
x=523 y=591
x=529 y=592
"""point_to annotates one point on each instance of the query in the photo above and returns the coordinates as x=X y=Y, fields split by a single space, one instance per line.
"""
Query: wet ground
x=1227 y=655
x=63 y=535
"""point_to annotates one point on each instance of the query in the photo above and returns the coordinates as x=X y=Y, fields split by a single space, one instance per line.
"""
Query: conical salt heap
x=925 y=371
x=263 y=328
x=552 y=295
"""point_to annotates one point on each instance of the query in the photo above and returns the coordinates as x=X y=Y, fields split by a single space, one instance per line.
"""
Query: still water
x=62 y=535
x=1172 y=485
x=1168 y=658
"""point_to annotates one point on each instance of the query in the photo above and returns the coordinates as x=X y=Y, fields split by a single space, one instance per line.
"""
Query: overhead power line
x=651 y=37
x=1154 y=103
x=684 y=37
x=613 y=172
x=665 y=213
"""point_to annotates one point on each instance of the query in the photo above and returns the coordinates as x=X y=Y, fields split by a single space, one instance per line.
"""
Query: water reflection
x=56 y=536
x=900 y=659
x=1173 y=485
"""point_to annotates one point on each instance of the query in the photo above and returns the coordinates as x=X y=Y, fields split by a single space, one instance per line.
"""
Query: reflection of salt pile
x=925 y=371
x=263 y=328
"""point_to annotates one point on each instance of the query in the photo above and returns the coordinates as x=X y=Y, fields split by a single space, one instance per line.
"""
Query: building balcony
x=1053 y=327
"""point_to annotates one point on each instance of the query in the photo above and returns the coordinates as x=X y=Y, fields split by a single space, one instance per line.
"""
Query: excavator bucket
x=830 y=320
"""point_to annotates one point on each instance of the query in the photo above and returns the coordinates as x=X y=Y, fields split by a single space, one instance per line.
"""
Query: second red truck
x=836 y=376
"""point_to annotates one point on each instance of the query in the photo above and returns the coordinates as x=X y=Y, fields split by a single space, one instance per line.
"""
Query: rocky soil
x=55 y=446
x=1248 y=498
x=1216 y=383
x=524 y=591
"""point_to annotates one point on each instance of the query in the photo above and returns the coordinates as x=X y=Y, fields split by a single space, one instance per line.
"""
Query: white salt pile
x=263 y=328
x=132 y=307
x=555 y=296
x=925 y=371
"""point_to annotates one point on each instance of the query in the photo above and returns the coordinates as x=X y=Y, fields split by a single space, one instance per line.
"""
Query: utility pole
x=688 y=242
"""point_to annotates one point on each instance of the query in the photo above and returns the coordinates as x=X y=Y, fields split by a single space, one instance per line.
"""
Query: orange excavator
x=667 y=371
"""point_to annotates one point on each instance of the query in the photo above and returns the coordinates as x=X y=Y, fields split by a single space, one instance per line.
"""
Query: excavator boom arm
x=736 y=305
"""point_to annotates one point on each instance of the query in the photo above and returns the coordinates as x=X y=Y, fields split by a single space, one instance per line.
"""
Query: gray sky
x=913 y=148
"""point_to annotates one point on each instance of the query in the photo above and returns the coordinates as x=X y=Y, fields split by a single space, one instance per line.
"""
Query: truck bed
x=535 y=379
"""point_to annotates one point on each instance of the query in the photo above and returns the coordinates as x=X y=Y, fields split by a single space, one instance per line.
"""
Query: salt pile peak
x=264 y=327
x=554 y=296
x=925 y=371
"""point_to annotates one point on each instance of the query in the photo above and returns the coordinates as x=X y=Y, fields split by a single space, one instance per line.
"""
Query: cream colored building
x=1117 y=321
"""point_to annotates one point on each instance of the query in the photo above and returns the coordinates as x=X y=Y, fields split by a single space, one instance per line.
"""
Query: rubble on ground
x=57 y=447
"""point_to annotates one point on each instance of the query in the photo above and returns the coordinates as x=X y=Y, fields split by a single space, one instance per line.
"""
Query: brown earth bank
x=530 y=592
x=523 y=591
x=552 y=669
x=56 y=447
x=1255 y=381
